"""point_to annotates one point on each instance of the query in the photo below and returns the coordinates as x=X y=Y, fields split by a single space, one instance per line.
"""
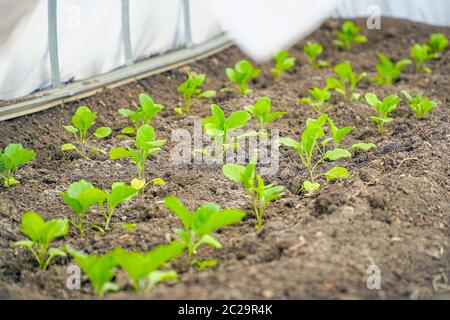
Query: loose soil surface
x=394 y=211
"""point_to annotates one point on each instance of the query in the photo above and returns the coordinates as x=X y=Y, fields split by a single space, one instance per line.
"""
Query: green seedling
x=191 y=91
x=313 y=150
x=384 y=108
x=146 y=145
x=261 y=112
x=421 y=105
x=142 y=115
x=11 y=159
x=421 y=54
x=99 y=269
x=120 y=192
x=438 y=42
x=282 y=63
x=82 y=121
x=313 y=50
x=349 y=35
x=259 y=193
x=242 y=73
x=40 y=234
x=143 y=268
x=318 y=98
x=80 y=197
x=199 y=225
x=347 y=82
x=217 y=126
x=387 y=71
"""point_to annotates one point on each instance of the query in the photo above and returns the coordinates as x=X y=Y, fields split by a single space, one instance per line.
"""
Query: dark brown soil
x=393 y=212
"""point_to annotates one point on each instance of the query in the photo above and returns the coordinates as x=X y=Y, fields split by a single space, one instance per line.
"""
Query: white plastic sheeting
x=260 y=27
x=91 y=40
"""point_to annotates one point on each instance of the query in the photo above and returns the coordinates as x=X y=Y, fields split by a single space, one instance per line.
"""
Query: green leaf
x=180 y=210
x=203 y=264
x=336 y=173
x=28 y=244
x=99 y=269
x=15 y=155
x=207 y=94
x=32 y=225
x=210 y=241
x=102 y=132
x=68 y=147
x=119 y=194
x=83 y=119
x=237 y=120
x=158 y=181
x=372 y=99
x=138 y=184
x=363 y=146
x=337 y=154
x=71 y=129
x=118 y=153
x=233 y=171
x=129 y=226
x=219 y=219
x=310 y=187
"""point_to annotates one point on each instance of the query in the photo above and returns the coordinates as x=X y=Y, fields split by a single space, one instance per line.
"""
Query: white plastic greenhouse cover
x=90 y=33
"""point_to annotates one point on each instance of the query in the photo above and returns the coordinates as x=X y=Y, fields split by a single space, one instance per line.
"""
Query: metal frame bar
x=187 y=23
x=53 y=42
x=81 y=89
x=126 y=33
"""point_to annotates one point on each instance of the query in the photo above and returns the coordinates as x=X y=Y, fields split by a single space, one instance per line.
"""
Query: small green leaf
x=158 y=182
x=337 y=154
x=128 y=131
x=68 y=147
x=102 y=132
x=310 y=187
x=118 y=153
x=363 y=146
x=336 y=173
x=207 y=94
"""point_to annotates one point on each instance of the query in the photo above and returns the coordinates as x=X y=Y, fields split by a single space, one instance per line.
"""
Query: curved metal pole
x=187 y=23
x=126 y=33
x=53 y=42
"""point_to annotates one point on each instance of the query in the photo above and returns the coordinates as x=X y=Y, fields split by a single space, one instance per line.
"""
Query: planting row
x=321 y=141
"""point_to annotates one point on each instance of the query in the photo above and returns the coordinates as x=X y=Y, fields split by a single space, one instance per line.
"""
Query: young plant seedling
x=142 y=115
x=242 y=73
x=80 y=197
x=347 y=82
x=318 y=98
x=146 y=145
x=349 y=35
x=387 y=71
x=217 y=126
x=12 y=158
x=40 y=234
x=143 y=268
x=313 y=150
x=438 y=42
x=421 y=105
x=259 y=193
x=261 y=112
x=191 y=91
x=199 y=225
x=82 y=121
x=421 y=54
x=282 y=63
x=313 y=50
x=99 y=269
x=120 y=192
x=384 y=108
